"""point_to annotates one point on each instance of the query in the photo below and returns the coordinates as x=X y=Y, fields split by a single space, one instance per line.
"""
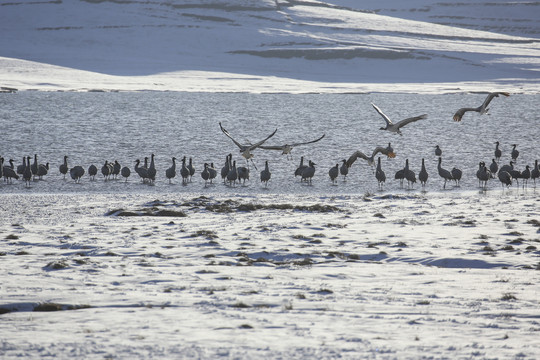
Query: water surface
x=93 y=127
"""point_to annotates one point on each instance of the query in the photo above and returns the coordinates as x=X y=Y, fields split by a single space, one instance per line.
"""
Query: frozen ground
x=452 y=275
x=271 y=46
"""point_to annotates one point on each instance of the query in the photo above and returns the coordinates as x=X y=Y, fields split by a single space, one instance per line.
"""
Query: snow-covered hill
x=270 y=45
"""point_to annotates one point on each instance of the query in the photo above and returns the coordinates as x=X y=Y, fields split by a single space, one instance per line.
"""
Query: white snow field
x=270 y=45
x=375 y=276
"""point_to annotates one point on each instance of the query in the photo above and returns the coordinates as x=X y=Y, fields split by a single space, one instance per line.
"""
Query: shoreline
x=52 y=78
x=261 y=192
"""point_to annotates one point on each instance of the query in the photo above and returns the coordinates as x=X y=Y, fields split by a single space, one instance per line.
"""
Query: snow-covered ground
x=189 y=276
x=271 y=46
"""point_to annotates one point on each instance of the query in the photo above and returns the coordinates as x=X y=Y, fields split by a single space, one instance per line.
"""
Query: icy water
x=93 y=127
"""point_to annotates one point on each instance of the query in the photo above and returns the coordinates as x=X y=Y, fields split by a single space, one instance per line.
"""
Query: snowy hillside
x=270 y=45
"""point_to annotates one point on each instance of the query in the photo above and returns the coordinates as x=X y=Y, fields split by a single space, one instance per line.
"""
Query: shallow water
x=93 y=127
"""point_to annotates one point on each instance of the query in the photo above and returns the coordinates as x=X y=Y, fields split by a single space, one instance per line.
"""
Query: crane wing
x=262 y=141
x=280 y=148
x=290 y=146
x=308 y=142
x=386 y=118
x=229 y=136
x=491 y=96
x=410 y=120
x=388 y=151
x=459 y=114
x=354 y=156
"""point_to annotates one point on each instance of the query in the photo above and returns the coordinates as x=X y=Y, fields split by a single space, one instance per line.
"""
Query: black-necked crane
x=515 y=152
x=265 y=174
x=125 y=172
x=388 y=151
x=395 y=128
x=141 y=171
x=246 y=150
x=64 y=167
x=92 y=171
x=445 y=174
x=423 y=175
x=309 y=172
x=482 y=109
x=334 y=173
x=76 y=173
x=287 y=148
x=379 y=174
x=170 y=173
